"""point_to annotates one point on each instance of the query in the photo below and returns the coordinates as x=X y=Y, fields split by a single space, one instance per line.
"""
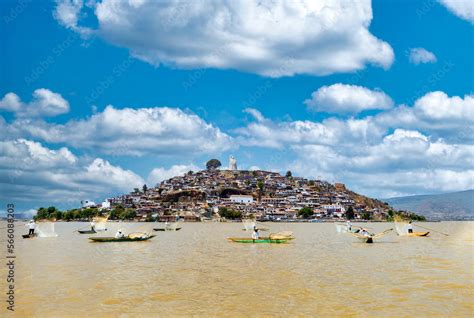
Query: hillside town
x=265 y=195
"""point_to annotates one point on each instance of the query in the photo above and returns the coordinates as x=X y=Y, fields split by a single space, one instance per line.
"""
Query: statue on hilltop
x=232 y=163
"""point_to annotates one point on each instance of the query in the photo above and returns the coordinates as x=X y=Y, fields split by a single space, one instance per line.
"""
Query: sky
x=99 y=97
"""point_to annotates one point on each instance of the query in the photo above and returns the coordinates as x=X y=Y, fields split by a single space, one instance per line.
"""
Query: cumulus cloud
x=128 y=131
x=31 y=172
x=436 y=113
x=420 y=55
x=10 y=102
x=44 y=103
x=270 y=38
x=159 y=174
x=421 y=149
x=461 y=8
x=342 y=98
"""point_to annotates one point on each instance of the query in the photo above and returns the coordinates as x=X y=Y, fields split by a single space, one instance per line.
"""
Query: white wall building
x=246 y=199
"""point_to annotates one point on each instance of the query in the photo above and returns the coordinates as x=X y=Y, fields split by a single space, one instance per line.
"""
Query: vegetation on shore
x=52 y=213
x=121 y=213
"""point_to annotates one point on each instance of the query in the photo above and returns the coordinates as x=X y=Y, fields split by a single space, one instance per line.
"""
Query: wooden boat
x=369 y=238
x=418 y=234
x=123 y=239
x=165 y=229
x=260 y=240
x=26 y=236
x=86 y=231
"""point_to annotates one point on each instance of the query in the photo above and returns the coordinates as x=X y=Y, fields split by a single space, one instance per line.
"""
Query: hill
x=452 y=206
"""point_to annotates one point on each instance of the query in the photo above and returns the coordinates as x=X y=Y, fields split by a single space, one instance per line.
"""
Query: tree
x=229 y=214
x=136 y=190
x=260 y=185
x=305 y=212
x=350 y=213
x=288 y=174
x=366 y=215
x=213 y=164
x=145 y=188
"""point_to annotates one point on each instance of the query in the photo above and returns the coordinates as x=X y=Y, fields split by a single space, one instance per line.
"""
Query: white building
x=105 y=204
x=246 y=199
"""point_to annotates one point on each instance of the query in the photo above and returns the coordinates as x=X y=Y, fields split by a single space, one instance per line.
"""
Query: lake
x=197 y=272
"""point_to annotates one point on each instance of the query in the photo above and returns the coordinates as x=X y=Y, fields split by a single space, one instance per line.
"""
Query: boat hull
x=86 y=232
x=124 y=239
x=163 y=229
x=261 y=240
x=418 y=234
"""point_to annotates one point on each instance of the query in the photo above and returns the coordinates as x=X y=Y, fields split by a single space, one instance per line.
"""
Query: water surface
x=196 y=271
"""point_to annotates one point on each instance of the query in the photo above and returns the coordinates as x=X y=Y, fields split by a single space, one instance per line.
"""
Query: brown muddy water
x=197 y=272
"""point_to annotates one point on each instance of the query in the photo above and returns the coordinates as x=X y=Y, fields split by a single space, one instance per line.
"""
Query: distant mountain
x=452 y=206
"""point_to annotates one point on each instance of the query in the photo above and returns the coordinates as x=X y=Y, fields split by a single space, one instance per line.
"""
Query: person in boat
x=349 y=226
x=92 y=225
x=31 y=227
x=255 y=234
x=364 y=232
x=410 y=227
x=119 y=234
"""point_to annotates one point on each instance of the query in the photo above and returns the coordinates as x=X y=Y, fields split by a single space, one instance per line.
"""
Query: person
x=92 y=225
x=255 y=235
x=119 y=234
x=410 y=227
x=31 y=226
x=349 y=226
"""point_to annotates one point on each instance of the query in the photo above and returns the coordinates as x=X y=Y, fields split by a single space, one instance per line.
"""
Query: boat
x=418 y=234
x=370 y=237
x=25 y=236
x=165 y=229
x=402 y=229
x=100 y=226
x=260 y=240
x=86 y=231
x=123 y=239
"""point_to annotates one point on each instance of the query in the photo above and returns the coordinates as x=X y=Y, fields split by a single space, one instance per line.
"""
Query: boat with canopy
x=369 y=237
x=43 y=229
x=100 y=225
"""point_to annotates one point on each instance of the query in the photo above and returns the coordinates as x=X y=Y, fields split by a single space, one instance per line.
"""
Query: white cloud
x=342 y=98
x=270 y=38
x=31 y=172
x=68 y=13
x=44 y=103
x=439 y=106
x=420 y=56
x=159 y=174
x=128 y=131
x=461 y=8
x=255 y=113
x=10 y=102
x=406 y=150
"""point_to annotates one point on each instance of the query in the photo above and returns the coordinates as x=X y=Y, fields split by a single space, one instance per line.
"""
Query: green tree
x=229 y=213
x=213 y=164
x=288 y=174
x=366 y=215
x=305 y=212
x=350 y=213
x=145 y=188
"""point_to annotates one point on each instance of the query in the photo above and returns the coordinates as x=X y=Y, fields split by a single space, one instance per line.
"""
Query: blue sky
x=388 y=88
